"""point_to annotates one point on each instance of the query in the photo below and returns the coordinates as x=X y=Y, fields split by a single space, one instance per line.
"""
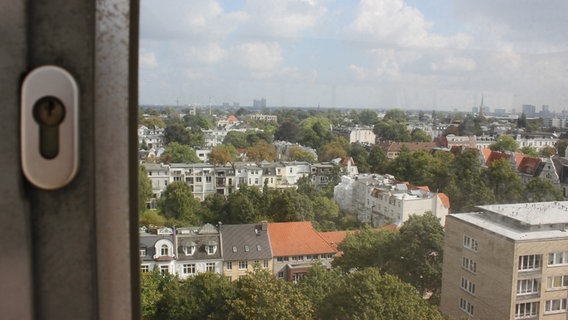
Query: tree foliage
x=538 y=190
x=261 y=151
x=222 y=154
x=331 y=151
x=368 y=294
x=504 y=182
x=176 y=133
x=391 y=130
x=178 y=202
x=504 y=143
x=144 y=188
x=296 y=153
x=177 y=153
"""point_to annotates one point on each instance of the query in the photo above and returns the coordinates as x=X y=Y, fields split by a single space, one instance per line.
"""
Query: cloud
x=261 y=59
x=148 y=60
x=209 y=53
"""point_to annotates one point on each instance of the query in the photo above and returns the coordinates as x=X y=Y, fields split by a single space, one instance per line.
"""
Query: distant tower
x=481 y=107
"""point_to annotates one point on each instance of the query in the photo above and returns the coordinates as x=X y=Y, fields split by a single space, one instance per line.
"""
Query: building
x=381 y=199
x=245 y=246
x=157 y=251
x=507 y=261
x=393 y=149
x=295 y=246
x=363 y=136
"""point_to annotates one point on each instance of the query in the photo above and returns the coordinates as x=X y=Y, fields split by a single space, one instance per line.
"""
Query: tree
x=368 y=294
x=289 y=205
x=538 y=190
x=366 y=248
x=153 y=286
x=368 y=117
x=416 y=167
x=176 y=133
x=397 y=115
x=420 y=243
x=360 y=155
x=261 y=151
x=548 y=151
x=318 y=283
x=244 y=206
x=331 y=151
x=560 y=146
x=467 y=187
x=153 y=122
x=504 y=182
x=391 y=130
x=504 y=143
x=222 y=154
x=237 y=139
x=204 y=296
x=315 y=132
x=260 y=295
x=177 y=153
x=529 y=151
x=144 y=188
x=419 y=135
x=178 y=202
x=152 y=218
x=287 y=131
x=299 y=154
x=378 y=159
x=522 y=121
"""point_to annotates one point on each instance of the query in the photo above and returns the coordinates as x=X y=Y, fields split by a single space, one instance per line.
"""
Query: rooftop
x=297 y=238
x=522 y=221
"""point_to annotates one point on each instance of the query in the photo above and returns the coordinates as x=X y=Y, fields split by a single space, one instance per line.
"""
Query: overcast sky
x=418 y=54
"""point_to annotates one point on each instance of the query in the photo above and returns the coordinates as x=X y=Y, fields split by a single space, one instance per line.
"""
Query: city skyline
x=440 y=55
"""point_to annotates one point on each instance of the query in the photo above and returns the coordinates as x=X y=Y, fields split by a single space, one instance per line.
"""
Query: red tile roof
x=297 y=238
x=232 y=118
x=529 y=165
x=445 y=200
x=486 y=152
x=335 y=237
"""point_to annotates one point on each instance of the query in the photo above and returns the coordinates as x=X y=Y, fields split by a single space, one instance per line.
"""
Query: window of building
x=265 y=264
x=229 y=278
x=530 y=262
x=164 y=269
x=211 y=249
x=469 y=264
x=197 y=179
x=557 y=258
x=188 y=268
x=247 y=248
x=142 y=252
x=468 y=285
x=470 y=243
x=527 y=286
x=229 y=265
x=145 y=268
x=189 y=250
x=297 y=276
x=282 y=259
x=243 y=265
x=208 y=179
x=554 y=306
x=466 y=306
x=258 y=247
x=557 y=282
x=210 y=266
x=165 y=250
x=526 y=310
x=189 y=180
x=280 y=275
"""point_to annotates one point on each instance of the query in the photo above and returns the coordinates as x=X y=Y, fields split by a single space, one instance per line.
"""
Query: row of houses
x=206 y=179
x=286 y=249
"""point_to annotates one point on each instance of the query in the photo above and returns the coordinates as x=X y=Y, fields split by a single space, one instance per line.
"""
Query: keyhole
x=49 y=113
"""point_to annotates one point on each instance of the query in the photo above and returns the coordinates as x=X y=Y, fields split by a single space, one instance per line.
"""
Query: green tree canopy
x=397 y=115
x=378 y=160
x=547 y=151
x=331 y=151
x=419 y=135
x=261 y=151
x=561 y=147
x=222 y=154
x=504 y=182
x=367 y=117
x=287 y=131
x=538 y=190
x=368 y=294
x=315 y=132
x=260 y=295
x=298 y=154
x=178 y=202
x=176 y=133
x=237 y=139
x=177 y=153
x=529 y=151
x=504 y=143
x=391 y=130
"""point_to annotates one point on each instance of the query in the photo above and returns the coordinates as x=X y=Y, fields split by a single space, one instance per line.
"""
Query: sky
x=375 y=54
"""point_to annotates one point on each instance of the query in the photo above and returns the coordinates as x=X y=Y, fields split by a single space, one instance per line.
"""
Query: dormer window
x=189 y=250
x=211 y=247
x=165 y=250
x=143 y=251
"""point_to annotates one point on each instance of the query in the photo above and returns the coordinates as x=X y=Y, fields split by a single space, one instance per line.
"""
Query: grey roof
x=537 y=213
x=246 y=242
x=148 y=241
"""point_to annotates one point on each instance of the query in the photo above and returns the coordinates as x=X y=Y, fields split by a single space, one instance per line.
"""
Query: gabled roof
x=232 y=118
x=246 y=242
x=334 y=238
x=445 y=200
x=297 y=238
x=486 y=152
x=529 y=165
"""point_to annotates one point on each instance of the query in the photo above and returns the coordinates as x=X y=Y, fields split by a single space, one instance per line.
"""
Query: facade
x=245 y=246
x=507 y=262
x=363 y=136
x=381 y=200
x=295 y=246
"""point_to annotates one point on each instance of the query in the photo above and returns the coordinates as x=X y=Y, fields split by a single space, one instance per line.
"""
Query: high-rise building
x=508 y=261
x=260 y=103
x=529 y=110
